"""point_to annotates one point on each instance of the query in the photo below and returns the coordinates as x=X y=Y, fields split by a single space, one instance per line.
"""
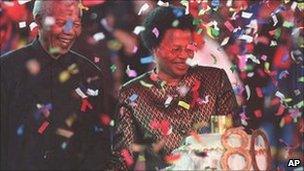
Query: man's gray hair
x=45 y=7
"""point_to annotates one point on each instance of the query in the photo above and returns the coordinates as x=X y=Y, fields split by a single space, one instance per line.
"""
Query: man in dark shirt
x=52 y=115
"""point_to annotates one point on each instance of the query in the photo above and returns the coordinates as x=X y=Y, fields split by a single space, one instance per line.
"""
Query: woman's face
x=173 y=51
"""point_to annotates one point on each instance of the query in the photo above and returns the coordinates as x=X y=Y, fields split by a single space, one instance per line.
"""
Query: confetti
x=68 y=26
x=280 y=110
x=163 y=4
x=65 y=133
x=138 y=29
x=113 y=68
x=143 y=83
x=259 y=92
x=143 y=8
x=247 y=38
x=21 y=2
x=130 y=73
x=85 y=105
x=183 y=90
x=133 y=97
x=273 y=43
x=293 y=6
x=275 y=19
x=70 y=120
x=247 y=92
x=105 y=119
x=98 y=36
x=205 y=100
x=225 y=41
x=233 y=68
x=140 y=163
x=80 y=93
x=280 y=95
x=92 y=92
x=155 y=32
x=246 y=15
x=49 y=21
x=146 y=60
x=178 y=12
x=43 y=127
x=229 y=26
x=172 y=158
x=114 y=45
x=283 y=74
x=127 y=157
x=301 y=79
x=82 y=7
x=33 y=25
x=214 y=58
x=184 y=104
x=135 y=48
x=258 y=113
x=175 y=23
x=186 y=4
x=288 y=24
x=191 y=62
x=22 y=24
x=33 y=66
x=20 y=130
x=96 y=59
x=168 y=101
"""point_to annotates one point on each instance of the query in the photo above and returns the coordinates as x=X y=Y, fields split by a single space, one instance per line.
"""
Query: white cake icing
x=211 y=144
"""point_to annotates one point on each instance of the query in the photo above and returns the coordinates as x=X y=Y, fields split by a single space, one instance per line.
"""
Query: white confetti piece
x=264 y=57
x=98 y=36
x=21 y=2
x=275 y=19
x=96 y=59
x=246 y=15
x=183 y=90
x=205 y=100
x=294 y=6
x=143 y=8
x=138 y=29
x=92 y=92
x=64 y=133
x=273 y=43
x=80 y=93
x=247 y=92
x=191 y=62
x=22 y=24
x=163 y=4
x=145 y=84
x=280 y=95
x=247 y=38
x=168 y=101
x=49 y=21
x=155 y=32
x=186 y=4
x=33 y=25
x=225 y=41
x=253 y=58
x=229 y=3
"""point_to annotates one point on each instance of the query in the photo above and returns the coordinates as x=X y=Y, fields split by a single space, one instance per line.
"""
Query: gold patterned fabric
x=202 y=92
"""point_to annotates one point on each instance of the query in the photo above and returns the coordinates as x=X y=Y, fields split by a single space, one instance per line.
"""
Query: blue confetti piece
x=97 y=129
x=285 y=58
x=178 y=12
x=146 y=60
x=283 y=74
x=20 y=130
x=133 y=97
x=68 y=26
x=215 y=3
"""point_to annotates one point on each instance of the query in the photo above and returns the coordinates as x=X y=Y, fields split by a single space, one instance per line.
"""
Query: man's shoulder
x=15 y=55
x=84 y=61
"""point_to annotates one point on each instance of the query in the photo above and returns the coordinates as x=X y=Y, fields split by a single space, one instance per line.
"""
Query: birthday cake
x=233 y=150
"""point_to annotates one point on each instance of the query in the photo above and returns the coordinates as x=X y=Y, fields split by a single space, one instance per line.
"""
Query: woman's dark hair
x=164 y=18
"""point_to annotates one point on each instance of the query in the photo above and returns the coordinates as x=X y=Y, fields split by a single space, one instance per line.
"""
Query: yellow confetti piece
x=64 y=76
x=82 y=7
x=145 y=84
x=184 y=105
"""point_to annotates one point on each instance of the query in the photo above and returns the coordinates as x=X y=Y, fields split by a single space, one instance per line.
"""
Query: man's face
x=60 y=35
x=173 y=51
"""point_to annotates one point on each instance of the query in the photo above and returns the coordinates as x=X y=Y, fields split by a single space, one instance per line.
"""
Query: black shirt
x=44 y=124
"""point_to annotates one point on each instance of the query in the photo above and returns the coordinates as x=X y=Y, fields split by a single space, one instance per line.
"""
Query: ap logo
x=294 y=163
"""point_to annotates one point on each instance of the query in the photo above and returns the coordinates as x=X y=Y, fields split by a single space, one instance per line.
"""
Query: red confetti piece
x=105 y=119
x=280 y=110
x=195 y=94
x=163 y=126
x=154 y=77
x=258 y=113
x=171 y=158
x=154 y=124
x=85 y=104
x=43 y=127
x=196 y=136
x=229 y=26
x=127 y=157
x=287 y=119
x=259 y=92
x=275 y=101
